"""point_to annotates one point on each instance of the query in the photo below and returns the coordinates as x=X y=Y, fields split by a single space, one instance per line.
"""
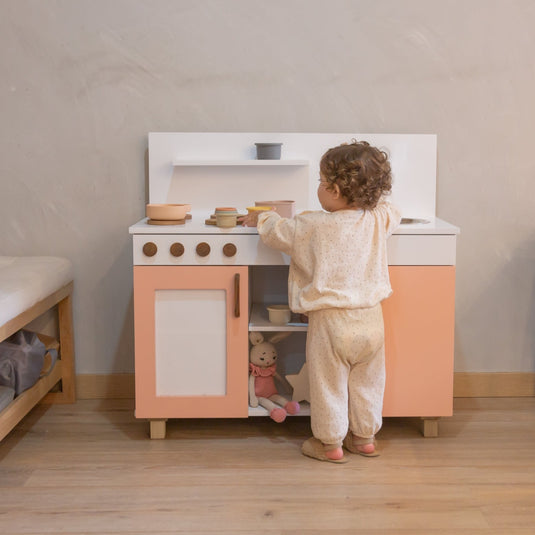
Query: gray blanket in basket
x=6 y=396
x=21 y=360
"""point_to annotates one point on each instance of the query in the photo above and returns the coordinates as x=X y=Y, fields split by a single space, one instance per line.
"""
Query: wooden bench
x=29 y=287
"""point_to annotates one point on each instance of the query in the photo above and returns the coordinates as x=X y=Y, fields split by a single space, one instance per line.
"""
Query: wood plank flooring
x=90 y=468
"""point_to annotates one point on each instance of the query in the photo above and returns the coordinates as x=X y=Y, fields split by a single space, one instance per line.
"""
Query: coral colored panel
x=232 y=402
x=419 y=331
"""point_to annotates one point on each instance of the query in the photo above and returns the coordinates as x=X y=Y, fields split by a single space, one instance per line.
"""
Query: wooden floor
x=90 y=468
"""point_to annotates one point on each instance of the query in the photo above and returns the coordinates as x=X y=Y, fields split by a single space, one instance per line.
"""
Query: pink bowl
x=283 y=208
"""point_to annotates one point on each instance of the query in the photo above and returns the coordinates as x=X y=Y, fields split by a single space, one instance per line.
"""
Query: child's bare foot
x=362 y=446
x=335 y=455
x=315 y=449
x=366 y=448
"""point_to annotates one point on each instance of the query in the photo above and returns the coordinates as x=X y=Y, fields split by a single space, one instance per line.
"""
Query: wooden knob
x=150 y=249
x=229 y=249
x=203 y=249
x=177 y=249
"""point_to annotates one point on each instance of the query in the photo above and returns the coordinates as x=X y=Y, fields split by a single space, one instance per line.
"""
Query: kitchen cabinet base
x=429 y=425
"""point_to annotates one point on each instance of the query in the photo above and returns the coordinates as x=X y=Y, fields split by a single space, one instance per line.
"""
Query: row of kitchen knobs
x=177 y=249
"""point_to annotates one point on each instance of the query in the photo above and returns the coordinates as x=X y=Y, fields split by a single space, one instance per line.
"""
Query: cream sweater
x=338 y=259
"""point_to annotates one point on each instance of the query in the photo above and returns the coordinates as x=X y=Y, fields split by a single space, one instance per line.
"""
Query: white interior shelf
x=259 y=321
x=219 y=163
x=260 y=411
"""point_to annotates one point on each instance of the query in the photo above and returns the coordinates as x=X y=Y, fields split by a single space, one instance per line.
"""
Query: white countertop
x=197 y=225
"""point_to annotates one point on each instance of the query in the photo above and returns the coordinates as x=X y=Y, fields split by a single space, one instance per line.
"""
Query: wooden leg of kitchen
x=157 y=428
x=430 y=427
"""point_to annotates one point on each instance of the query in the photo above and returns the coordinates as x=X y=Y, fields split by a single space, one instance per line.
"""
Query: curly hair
x=361 y=171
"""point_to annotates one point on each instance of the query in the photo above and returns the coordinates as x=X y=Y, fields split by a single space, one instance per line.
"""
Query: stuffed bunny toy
x=262 y=375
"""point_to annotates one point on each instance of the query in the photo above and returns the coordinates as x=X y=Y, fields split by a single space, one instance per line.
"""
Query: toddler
x=338 y=276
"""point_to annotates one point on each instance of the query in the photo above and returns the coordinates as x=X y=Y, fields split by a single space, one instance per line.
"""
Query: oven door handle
x=237 y=295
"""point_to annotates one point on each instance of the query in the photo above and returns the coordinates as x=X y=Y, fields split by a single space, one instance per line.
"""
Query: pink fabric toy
x=262 y=375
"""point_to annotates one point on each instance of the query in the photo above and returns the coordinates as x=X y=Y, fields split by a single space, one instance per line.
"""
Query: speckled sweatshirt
x=338 y=259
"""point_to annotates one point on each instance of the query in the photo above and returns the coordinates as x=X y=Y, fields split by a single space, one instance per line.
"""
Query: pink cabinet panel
x=419 y=330
x=191 y=341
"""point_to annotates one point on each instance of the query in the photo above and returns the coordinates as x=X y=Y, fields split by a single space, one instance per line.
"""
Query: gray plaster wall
x=84 y=81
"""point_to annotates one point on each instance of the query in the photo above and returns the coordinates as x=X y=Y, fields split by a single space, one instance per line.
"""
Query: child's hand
x=249 y=220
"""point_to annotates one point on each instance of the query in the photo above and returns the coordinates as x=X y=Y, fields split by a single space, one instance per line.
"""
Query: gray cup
x=268 y=151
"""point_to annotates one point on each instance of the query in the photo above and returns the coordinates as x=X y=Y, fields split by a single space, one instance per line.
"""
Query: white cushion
x=26 y=280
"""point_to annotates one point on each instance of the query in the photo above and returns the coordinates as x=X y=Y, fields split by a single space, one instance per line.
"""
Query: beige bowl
x=279 y=314
x=167 y=212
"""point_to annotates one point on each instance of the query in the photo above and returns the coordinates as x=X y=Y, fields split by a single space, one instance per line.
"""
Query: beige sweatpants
x=346 y=366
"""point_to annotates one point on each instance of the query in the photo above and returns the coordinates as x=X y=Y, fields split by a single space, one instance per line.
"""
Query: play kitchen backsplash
x=223 y=216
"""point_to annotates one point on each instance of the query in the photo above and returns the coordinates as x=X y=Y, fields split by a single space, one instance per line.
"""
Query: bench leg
x=66 y=341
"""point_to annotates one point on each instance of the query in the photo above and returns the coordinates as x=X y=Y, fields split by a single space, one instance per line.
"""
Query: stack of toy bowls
x=226 y=217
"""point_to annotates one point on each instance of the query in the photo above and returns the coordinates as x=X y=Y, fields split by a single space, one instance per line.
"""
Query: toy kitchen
x=201 y=288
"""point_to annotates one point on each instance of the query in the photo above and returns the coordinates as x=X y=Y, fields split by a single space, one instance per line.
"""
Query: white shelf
x=260 y=411
x=234 y=163
x=259 y=321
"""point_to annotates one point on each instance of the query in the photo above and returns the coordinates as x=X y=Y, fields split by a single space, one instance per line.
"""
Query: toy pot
x=283 y=208
x=268 y=151
x=279 y=314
